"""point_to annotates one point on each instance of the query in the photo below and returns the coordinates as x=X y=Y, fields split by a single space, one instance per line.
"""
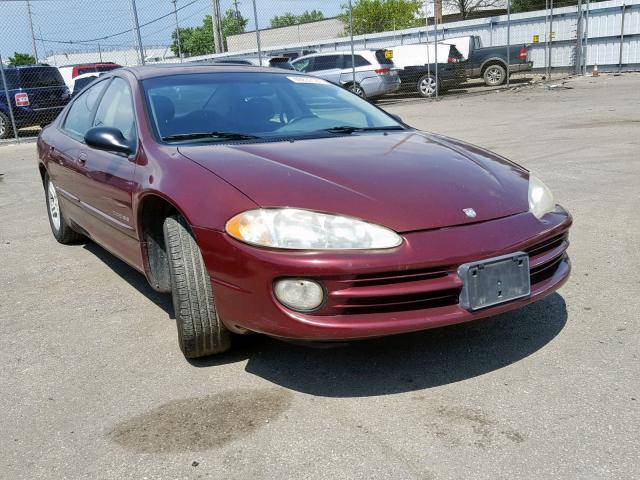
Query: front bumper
x=412 y=287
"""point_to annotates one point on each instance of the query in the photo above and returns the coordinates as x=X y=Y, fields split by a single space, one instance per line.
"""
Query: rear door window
x=80 y=116
x=360 y=61
x=326 y=62
x=382 y=57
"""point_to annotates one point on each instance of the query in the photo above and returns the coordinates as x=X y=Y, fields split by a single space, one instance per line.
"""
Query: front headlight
x=540 y=197
x=293 y=228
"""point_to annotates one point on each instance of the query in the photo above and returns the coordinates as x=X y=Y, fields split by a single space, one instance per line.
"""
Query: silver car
x=375 y=74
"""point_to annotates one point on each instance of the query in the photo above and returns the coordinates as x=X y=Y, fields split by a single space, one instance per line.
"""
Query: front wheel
x=494 y=75
x=200 y=331
x=427 y=86
x=61 y=230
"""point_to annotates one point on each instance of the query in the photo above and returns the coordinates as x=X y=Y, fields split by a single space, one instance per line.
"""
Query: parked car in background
x=70 y=72
x=490 y=63
x=37 y=94
x=82 y=81
x=374 y=70
x=418 y=71
x=275 y=62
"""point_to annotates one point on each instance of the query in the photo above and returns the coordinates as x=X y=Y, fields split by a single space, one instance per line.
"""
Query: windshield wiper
x=349 y=129
x=210 y=135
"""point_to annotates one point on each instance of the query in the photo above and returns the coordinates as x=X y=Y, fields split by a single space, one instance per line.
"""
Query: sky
x=74 y=20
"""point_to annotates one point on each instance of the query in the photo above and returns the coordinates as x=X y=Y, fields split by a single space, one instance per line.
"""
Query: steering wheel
x=301 y=117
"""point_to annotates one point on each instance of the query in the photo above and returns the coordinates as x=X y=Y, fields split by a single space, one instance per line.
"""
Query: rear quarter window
x=40 y=77
x=382 y=58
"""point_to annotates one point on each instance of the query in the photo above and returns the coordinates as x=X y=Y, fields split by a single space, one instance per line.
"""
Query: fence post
x=136 y=24
x=255 y=19
x=6 y=92
x=550 y=36
x=353 y=57
x=508 y=41
x=621 y=39
x=586 y=37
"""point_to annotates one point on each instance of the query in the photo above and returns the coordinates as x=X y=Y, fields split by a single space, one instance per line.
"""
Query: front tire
x=200 y=331
x=494 y=75
x=61 y=230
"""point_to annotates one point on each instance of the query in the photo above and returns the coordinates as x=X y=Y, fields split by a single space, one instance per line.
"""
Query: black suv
x=37 y=94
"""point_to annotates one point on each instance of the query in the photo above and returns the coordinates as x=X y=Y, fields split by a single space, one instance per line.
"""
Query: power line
x=94 y=40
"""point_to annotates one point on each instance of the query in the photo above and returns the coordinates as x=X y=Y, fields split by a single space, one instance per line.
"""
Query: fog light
x=299 y=294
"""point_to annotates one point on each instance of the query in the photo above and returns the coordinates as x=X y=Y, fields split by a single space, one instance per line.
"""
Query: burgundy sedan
x=270 y=201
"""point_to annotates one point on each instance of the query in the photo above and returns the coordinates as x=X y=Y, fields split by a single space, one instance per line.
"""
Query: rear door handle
x=82 y=158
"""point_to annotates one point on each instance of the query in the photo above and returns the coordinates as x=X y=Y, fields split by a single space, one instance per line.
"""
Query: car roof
x=34 y=65
x=162 y=70
x=337 y=52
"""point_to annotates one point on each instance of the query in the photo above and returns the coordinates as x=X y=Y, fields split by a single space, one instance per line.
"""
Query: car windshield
x=254 y=106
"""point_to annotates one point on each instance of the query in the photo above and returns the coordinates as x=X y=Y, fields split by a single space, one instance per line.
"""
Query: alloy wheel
x=427 y=87
x=494 y=76
x=54 y=208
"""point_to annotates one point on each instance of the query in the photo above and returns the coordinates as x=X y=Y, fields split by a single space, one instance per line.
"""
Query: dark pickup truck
x=490 y=63
x=37 y=94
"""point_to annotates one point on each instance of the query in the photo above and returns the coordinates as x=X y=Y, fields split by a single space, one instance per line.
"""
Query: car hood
x=404 y=180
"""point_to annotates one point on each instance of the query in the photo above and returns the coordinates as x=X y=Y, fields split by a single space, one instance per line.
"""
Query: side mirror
x=108 y=139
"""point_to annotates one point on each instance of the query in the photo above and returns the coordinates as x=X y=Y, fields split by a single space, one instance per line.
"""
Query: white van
x=419 y=54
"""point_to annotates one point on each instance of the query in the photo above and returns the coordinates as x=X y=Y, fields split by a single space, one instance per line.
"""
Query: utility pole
x=33 y=35
x=235 y=7
x=136 y=24
x=215 y=20
x=175 y=14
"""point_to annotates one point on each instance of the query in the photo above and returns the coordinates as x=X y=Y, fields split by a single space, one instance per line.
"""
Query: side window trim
x=93 y=110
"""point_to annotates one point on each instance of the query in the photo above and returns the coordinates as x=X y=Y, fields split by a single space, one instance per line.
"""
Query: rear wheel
x=494 y=75
x=5 y=127
x=427 y=86
x=61 y=230
x=357 y=89
x=200 y=331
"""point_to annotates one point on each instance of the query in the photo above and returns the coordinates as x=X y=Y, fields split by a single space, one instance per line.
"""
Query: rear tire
x=426 y=86
x=200 y=331
x=61 y=230
x=357 y=89
x=6 y=131
x=494 y=75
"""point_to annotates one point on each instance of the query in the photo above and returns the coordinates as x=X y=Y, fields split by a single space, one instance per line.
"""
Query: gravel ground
x=93 y=384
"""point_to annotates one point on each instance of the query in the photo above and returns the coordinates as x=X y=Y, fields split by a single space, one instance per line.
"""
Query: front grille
x=427 y=288
x=545 y=257
x=386 y=292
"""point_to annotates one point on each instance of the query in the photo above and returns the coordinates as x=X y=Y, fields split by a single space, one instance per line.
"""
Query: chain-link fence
x=49 y=49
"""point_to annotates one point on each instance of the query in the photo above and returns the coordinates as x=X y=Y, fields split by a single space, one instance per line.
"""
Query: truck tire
x=494 y=75
x=426 y=86
x=61 y=230
x=6 y=131
x=200 y=331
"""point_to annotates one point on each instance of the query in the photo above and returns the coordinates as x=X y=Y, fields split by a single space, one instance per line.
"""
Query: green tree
x=289 y=18
x=22 y=59
x=199 y=40
x=371 y=16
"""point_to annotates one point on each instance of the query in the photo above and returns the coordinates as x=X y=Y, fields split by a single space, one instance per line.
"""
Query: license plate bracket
x=494 y=281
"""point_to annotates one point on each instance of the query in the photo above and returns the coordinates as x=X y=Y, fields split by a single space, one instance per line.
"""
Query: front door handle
x=82 y=158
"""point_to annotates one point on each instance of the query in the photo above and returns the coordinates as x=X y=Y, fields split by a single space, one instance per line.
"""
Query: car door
x=65 y=165
x=108 y=181
x=328 y=67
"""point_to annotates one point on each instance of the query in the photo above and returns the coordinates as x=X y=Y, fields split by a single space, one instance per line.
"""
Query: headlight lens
x=540 y=197
x=293 y=228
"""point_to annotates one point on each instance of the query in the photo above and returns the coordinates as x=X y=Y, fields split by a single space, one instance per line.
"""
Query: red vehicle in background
x=69 y=72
